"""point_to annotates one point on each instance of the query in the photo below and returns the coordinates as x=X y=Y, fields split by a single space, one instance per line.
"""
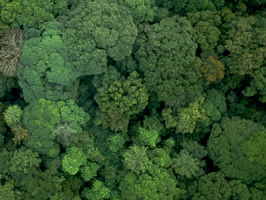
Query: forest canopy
x=132 y=100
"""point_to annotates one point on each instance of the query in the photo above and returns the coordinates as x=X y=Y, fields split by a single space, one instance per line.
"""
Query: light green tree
x=73 y=160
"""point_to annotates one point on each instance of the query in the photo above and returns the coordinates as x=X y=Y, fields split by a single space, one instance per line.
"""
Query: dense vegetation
x=132 y=100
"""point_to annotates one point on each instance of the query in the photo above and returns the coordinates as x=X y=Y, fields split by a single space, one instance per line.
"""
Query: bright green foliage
x=46 y=71
x=73 y=160
x=255 y=148
x=225 y=149
x=97 y=29
x=148 y=136
x=39 y=118
x=156 y=185
x=195 y=149
x=116 y=142
x=168 y=60
x=118 y=100
x=89 y=171
x=246 y=44
x=98 y=192
x=215 y=106
x=30 y=13
x=185 y=164
x=136 y=159
x=187 y=117
x=215 y=186
x=9 y=11
x=12 y=115
x=23 y=159
x=6 y=191
x=142 y=10
x=205 y=23
x=182 y=6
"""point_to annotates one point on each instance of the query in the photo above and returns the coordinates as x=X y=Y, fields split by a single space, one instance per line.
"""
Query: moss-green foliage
x=47 y=71
x=185 y=165
x=23 y=159
x=205 y=23
x=90 y=148
x=258 y=190
x=6 y=191
x=255 y=148
x=246 y=43
x=73 y=115
x=12 y=115
x=168 y=60
x=215 y=186
x=183 y=6
x=148 y=135
x=155 y=185
x=224 y=148
x=136 y=159
x=73 y=160
x=127 y=65
x=142 y=10
x=186 y=118
x=45 y=120
x=215 y=106
x=212 y=67
x=72 y=118
x=170 y=120
x=30 y=13
x=195 y=149
x=39 y=118
x=116 y=142
x=258 y=84
x=256 y=194
x=160 y=157
x=38 y=185
x=89 y=171
x=97 y=192
x=118 y=100
x=97 y=29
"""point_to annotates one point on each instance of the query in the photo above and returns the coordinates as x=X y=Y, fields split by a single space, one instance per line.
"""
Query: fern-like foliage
x=148 y=136
x=136 y=159
x=185 y=164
